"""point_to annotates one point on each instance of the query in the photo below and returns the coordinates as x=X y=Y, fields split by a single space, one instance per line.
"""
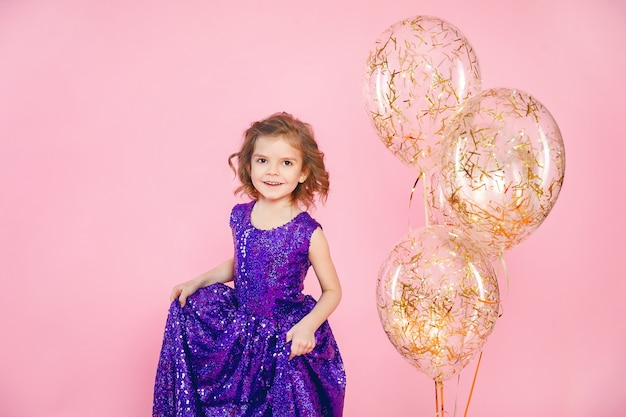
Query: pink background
x=116 y=120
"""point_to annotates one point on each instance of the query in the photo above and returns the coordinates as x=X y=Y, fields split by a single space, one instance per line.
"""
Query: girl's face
x=276 y=168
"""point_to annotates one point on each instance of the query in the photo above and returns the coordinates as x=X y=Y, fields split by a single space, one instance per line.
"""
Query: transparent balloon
x=438 y=208
x=503 y=164
x=419 y=71
x=438 y=300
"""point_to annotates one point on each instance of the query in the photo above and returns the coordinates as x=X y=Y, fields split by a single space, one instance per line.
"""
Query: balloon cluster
x=493 y=164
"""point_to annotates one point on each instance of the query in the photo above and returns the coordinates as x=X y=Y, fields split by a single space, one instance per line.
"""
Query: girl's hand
x=223 y=273
x=184 y=290
x=302 y=340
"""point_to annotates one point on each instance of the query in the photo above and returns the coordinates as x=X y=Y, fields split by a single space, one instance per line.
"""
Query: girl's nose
x=272 y=169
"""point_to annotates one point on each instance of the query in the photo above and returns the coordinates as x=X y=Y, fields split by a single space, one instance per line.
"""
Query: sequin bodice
x=270 y=265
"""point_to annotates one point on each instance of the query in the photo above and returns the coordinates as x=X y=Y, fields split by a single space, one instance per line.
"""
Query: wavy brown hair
x=299 y=135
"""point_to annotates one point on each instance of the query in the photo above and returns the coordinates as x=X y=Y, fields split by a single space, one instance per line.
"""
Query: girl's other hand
x=183 y=291
x=302 y=340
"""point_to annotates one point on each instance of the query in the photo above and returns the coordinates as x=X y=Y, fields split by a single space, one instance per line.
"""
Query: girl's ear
x=303 y=176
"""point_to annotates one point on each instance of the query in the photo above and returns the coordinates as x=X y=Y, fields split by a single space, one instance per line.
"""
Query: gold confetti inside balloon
x=503 y=167
x=419 y=71
x=438 y=298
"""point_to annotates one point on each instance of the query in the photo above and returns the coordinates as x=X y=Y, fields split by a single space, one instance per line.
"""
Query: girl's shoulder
x=240 y=212
x=306 y=221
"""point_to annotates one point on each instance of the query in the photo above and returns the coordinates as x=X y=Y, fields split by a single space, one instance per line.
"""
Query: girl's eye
x=288 y=163
x=261 y=160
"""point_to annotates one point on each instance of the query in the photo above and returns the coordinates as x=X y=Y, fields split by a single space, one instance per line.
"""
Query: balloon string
x=436 y=400
x=411 y=199
x=425 y=191
x=502 y=266
x=456 y=397
x=473 y=383
x=439 y=399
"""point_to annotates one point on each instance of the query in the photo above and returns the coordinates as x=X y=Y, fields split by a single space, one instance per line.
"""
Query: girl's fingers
x=175 y=293
x=182 y=299
x=298 y=349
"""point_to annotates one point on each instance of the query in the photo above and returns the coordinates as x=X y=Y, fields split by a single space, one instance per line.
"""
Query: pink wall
x=116 y=119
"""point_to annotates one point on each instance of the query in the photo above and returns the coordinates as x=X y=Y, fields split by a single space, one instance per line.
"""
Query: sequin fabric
x=225 y=354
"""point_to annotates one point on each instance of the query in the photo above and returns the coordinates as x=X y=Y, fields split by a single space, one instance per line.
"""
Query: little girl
x=261 y=348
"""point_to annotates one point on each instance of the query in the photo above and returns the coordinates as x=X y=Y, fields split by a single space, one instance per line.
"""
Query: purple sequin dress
x=225 y=354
